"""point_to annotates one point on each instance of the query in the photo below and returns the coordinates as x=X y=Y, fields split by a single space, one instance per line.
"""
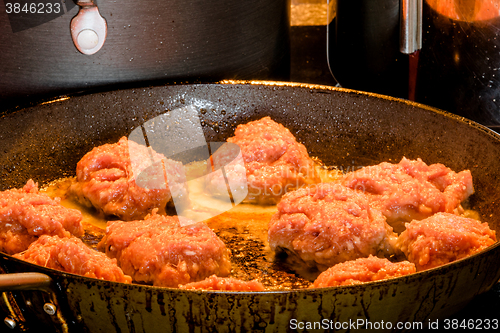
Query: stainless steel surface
x=50 y=309
x=88 y=28
x=10 y=323
x=410 y=38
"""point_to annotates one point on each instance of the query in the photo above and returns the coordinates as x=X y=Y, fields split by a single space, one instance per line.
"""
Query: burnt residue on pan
x=252 y=259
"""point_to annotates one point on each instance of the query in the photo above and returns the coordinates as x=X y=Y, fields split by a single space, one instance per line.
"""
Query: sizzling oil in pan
x=243 y=229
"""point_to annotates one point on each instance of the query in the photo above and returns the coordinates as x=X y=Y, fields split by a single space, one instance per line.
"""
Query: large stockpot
x=150 y=40
x=342 y=127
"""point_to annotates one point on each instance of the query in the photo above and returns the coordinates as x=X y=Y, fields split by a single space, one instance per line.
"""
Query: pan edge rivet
x=49 y=308
x=11 y=323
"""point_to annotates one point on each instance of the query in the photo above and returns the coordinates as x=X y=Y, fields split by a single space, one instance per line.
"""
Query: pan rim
x=364 y=93
x=266 y=83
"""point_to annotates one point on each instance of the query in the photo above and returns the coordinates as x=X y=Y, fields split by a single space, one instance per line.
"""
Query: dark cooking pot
x=342 y=127
x=150 y=40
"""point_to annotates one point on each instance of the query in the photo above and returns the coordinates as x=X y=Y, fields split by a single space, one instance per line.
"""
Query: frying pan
x=343 y=128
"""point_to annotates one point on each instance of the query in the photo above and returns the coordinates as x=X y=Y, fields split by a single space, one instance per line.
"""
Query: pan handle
x=30 y=282
x=25 y=281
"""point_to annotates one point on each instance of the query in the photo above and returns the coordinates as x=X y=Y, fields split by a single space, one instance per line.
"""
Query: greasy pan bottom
x=344 y=128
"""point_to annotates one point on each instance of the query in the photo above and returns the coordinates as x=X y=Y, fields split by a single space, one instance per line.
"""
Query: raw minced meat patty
x=329 y=223
x=106 y=180
x=226 y=284
x=412 y=189
x=71 y=255
x=160 y=251
x=275 y=162
x=26 y=214
x=362 y=270
x=443 y=238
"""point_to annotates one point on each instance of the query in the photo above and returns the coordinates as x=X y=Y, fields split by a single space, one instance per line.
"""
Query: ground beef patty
x=73 y=256
x=226 y=284
x=362 y=270
x=26 y=214
x=412 y=189
x=328 y=224
x=158 y=250
x=275 y=162
x=106 y=180
x=443 y=238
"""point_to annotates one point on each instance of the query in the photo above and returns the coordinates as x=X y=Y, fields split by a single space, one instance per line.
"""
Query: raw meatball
x=362 y=270
x=275 y=162
x=160 y=251
x=73 y=256
x=328 y=224
x=412 y=189
x=227 y=284
x=443 y=238
x=106 y=180
x=26 y=214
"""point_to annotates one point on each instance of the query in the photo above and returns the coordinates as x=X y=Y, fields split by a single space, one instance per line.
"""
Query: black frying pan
x=342 y=127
